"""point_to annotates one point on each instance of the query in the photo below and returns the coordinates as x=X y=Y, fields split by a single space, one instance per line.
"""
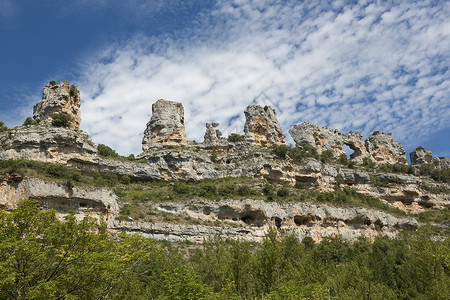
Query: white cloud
x=359 y=67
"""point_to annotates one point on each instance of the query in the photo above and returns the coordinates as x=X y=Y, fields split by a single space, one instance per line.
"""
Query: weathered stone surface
x=325 y=138
x=47 y=144
x=261 y=126
x=441 y=162
x=166 y=126
x=102 y=202
x=382 y=149
x=423 y=156
x=252 y=218
x=210 y=138
x=58 y=98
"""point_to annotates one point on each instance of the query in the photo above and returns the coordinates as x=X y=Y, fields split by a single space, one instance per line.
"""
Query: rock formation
x=251 y=219
x=422 y=156
x=261 y=126
x=327 y=139
x=58 y=98
x=383 y=149
x=102 y=202
x=211 y=138
x=48 y=144
x=166 y=126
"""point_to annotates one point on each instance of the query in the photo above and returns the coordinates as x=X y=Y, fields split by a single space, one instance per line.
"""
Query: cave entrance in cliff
x=347 y=150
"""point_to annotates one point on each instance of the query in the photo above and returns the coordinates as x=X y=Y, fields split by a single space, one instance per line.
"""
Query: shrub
x=234 y=138
x=180 y=188
x=218 y=133
x=125 y=179
x=343 y=160
x=213 y=157
x=268 y=190
x=266 y=108
x=327 y=156
x=29 y=121
x=131 y=157
x=367 y=162
x=106 y=151
x=73 y=90
x=3 y=128
x=61 y=119
x=301 y=185
x=52 y=82
x=283 y=192
x=215 y=124
x=281 y=150
x=227 y=190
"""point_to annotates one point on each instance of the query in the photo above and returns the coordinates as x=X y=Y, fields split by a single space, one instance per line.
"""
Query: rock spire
x=261 y=126
x=166 y=126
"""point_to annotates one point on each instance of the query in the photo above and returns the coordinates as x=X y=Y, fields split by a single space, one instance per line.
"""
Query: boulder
x=261 y=126
x=166 y=126
x=58 y=98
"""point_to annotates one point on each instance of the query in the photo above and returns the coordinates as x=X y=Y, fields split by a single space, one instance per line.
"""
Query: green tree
x=42 y=257
x=106 y=151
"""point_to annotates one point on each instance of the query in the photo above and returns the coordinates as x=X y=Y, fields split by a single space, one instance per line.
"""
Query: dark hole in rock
x=254 y=218
x=207 y=210
x=277 y=222
x=302 y=220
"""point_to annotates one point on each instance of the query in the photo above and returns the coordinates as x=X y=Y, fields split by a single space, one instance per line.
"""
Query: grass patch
x=433 y=216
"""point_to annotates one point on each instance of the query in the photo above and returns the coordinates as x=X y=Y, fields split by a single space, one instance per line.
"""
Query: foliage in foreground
x=42 y=257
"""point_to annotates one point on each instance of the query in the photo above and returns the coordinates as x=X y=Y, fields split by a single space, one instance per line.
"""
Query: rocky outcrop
x=99 y=202
x=250 y=219
x=58 y=98
x=166 y=126
x=48 y=144
x=261 y=126
x=422 y=156
x=325 y=138
x=210 y=138
x=382 y=149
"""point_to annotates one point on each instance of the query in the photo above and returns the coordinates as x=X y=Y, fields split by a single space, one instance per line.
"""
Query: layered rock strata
x=58 y=98
x=261 y=126
x=250 y=219
x=47 y=144
x=166 y=126
x=99 y=202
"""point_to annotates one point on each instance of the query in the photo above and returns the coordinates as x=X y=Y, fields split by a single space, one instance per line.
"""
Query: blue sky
x=350 y=65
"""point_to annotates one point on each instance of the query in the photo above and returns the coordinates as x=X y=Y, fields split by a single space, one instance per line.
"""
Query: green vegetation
x=235 y=138
x=3 y=128
x=297 y=154
x=435 y=189
x=434 y=216
x=327 y=156
x=61 y=120
x=397 y=168
x=52 y=82
x=42 y=257
x=106 y=151
x=73 y=90
x=29 y=121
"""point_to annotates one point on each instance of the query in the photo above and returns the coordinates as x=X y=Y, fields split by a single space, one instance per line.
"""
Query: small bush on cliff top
x=3 y=128
x=52 y=82
x=106 y=151
x=29 y=121
x=234 y=138
x=61 y=119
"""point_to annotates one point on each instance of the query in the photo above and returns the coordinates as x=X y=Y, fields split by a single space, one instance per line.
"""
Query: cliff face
x=217 y=158
x=58 y=98
x=99 y=202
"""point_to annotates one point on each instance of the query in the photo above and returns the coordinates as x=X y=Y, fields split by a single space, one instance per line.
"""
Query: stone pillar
x=261 y=126
x=166 y=126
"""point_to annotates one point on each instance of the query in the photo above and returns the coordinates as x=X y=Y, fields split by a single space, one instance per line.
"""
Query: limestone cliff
x=261 y=126
x=58 y=98
x=422 y=156
x=166 y=126
x=99 y=202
